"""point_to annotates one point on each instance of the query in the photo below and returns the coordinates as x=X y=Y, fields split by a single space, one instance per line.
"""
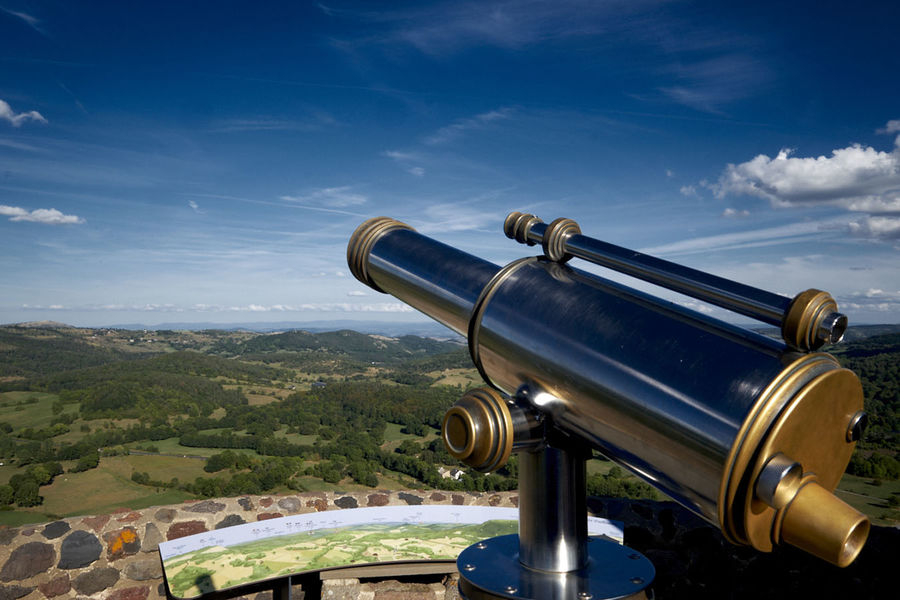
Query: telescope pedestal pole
x=552 y=558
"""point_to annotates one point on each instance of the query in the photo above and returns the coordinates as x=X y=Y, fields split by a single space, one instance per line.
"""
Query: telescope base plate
x=491 y=569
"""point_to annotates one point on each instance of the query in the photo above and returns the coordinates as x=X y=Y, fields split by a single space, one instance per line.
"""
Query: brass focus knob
x=478 y=430
x=812 y=321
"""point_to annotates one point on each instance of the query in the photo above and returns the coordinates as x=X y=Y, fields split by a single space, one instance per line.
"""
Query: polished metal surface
x=491 y=569
x=695 y=406
x=778 y=477
x=552 y=510
x=734 y=296
x=435 y=278
x=656 y=387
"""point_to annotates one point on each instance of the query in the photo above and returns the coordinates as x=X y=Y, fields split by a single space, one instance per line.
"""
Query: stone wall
x=114 y=557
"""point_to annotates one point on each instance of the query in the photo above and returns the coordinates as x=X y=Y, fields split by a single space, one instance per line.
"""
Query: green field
x=16 y=409
x=871 y=499
x=171 y=446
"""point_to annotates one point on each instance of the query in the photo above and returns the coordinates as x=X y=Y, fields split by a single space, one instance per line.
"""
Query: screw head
x=510 y=589
x=637 y=580
x=481 y=545
x=468 y=567
x=585 y=596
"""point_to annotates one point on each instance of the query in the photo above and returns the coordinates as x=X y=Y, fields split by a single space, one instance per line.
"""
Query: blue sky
x=200 y=161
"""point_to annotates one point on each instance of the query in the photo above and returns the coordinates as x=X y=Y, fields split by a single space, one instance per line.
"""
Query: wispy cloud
x=710 y=84
x=755 y=238
x=332 y=197
x=461 y=126
x=195 y=207
x=31 y=21
x=448 y=27
x=407 y=160
x=18 y=145
x=732 y=213
x=47 y=216
x=857 y=178
x=316 y=121
x=16 y=119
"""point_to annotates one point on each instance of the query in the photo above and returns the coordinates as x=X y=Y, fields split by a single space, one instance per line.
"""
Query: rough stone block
x=11 y=592
x=121 y=543
x=378 y=500
x=165 y=515
x=267 y=516
x=152 y=538
x=56 y=586
x=230 y=521
x=289 y=504
x=142 y=570
x=410 y=499
x=96 y=523
x=346 y=502
x=27 y=561
x=183 y=528
x=206 y=506
x=79 y=549
x=96 y=580
x=130 y=593
x=55 y=529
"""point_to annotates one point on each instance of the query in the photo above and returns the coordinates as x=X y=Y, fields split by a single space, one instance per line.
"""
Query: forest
x=286 y=411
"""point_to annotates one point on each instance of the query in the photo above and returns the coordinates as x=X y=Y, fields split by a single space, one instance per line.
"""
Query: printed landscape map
x=254 y=552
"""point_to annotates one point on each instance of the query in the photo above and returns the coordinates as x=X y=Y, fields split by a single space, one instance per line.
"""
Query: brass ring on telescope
x=517 y=226
x=481 y=304
x=812 y=393
x=554 y=242
x=361 y=243
x=801 y=323
x=478 y=430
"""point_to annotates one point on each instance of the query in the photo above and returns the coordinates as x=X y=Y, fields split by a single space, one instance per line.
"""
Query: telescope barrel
x=693 y=405
x=562 y=239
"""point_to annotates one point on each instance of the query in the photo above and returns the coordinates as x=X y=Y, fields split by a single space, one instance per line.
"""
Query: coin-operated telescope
x=751 y=433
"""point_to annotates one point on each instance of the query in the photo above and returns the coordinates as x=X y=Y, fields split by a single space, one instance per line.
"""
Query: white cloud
x=6 y=112
x=195 y=207
x=849 y=175
x=333 y=197
x=883 y=227
x=357 y=293
x=733 y=212
x=857 y=178
x=417 y=171
x=689 y=191
x=670 y=173
x=47 y=216
x=893 y=126
x=461 y=126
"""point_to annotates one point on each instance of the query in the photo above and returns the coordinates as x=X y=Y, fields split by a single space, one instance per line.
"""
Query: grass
x=464 y=378
x=393 y=436
x=36 y=415
x=104 y=489
x=870 y=499
x=171 y=446
x=160 y=468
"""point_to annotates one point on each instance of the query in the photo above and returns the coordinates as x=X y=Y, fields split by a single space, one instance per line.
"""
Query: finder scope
x=751 y=433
